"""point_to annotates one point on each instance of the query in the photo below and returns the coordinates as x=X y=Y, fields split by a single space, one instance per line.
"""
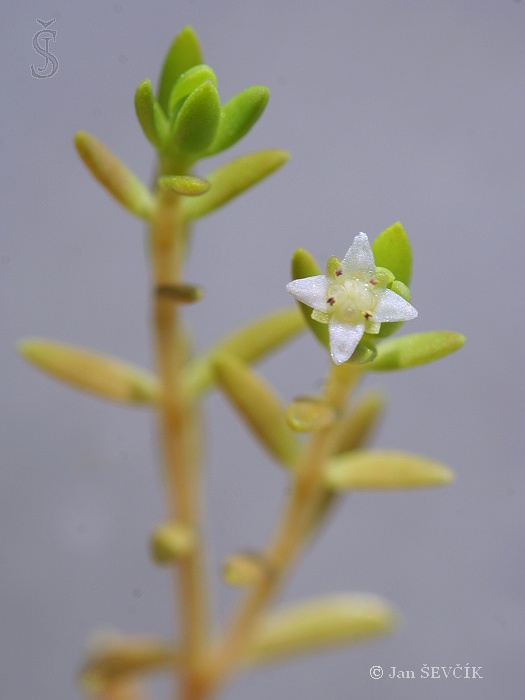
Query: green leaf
x=150 y=115
x=259 y=407
x=379 y=470
x=249 y=343
x=105 y=376
x=187 y=185
x=245 y=568
x=308 y=414
x=171 y=542
x=415 y=349
x=305 y=265
x=183 y=54
x=113 y=657
x=197 y=121
x=188 y=81
x=238 y=115
x=365 y=351
x=319 y=624
x=392 y=250
x=233 y=178
x=180 y=293
x=114 y=176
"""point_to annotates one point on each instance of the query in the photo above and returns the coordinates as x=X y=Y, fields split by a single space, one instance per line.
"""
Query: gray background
x=410 y=110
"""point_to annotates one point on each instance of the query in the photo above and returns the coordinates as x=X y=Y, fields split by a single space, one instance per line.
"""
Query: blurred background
x=411 y=110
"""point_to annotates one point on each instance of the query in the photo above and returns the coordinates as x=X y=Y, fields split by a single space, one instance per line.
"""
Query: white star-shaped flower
x=352 y=300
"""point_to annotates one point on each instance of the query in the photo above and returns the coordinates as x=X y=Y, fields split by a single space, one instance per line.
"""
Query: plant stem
x=178 y=432
x=305 y=499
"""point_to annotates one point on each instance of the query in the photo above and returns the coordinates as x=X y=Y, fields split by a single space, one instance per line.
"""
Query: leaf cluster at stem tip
x=185 y=120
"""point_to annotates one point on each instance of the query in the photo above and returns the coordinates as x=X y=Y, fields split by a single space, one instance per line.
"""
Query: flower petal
x=344 y=338
x=359 y=260
x=312 y=291
x=391 y=307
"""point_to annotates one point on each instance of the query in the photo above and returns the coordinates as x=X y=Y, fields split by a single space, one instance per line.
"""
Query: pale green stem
x=177 y=428
x=305 y=499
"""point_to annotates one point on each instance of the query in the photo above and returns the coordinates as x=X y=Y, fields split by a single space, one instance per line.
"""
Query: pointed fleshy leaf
x=415 y=349
x=170 y=542
x=150 y=115
x=392 y=250
x=320 y=624
x=196 y=123
x=365 y=351
x=180 y=293
x=183 y=54
x=249 y=343
x=238 y=115
x=307 y=414
x=400 y=288
x=305 y=265
x=233 y=178
x=186 y=84
x=114 y=176
x=379 y=470
x=112 y=657
x=188 y=185
x=259 y=407
x=105 y=376
x=360 y=424
x=244 y=568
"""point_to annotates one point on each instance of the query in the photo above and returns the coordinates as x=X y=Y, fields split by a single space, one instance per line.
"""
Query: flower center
x=352 y=300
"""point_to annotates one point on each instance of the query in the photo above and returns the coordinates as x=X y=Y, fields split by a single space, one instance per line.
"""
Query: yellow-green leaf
x=238 y=115
x=320 y=624
x=150 y=115
x=187 y=185
x=307 y=414
x=105 y=376
x=180 y=293
x=232 y=179
x=392 y=250
x=113 y=657
x=197 y=120
x=415 y=349
x=114 y=176
x=171 y=541
x=258 y=405
x=183 y=54
x=187 y=83
x=379 y=470
x=249 y=343
x=244 y=568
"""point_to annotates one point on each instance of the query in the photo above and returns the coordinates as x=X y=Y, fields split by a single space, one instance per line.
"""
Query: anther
x=339 y=272
x=373 y=280
x=367 y=314
x=330 y=301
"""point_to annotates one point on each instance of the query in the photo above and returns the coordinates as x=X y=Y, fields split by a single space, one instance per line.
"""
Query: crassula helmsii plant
x=319 y=441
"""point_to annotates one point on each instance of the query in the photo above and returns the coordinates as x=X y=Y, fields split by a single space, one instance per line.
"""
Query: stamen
x=367 y=314
x=373 y=280
x=339 y=272
x=330 y=301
